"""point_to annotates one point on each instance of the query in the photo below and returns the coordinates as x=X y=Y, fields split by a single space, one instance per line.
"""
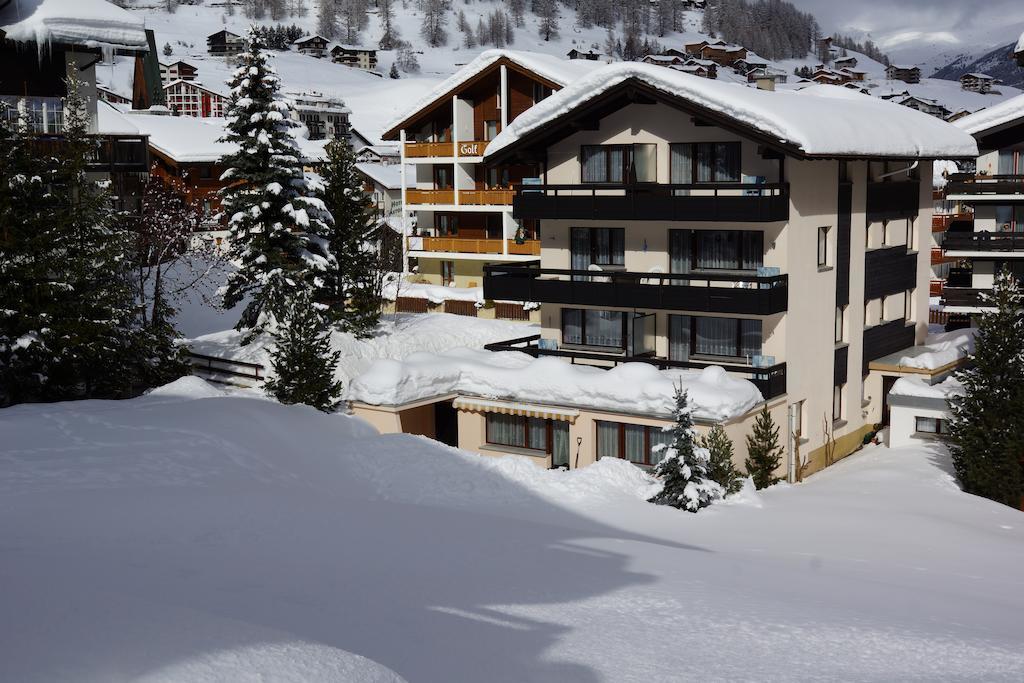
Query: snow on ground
x=398 y=336
x=511 y=375
x=198 y=535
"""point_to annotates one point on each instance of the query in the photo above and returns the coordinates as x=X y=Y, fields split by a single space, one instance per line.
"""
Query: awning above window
x=512 y=408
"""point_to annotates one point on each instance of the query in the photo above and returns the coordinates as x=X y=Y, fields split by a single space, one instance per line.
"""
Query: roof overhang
x=444 y=98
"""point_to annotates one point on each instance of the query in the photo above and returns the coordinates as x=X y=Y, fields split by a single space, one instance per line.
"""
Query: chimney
x=766 y=84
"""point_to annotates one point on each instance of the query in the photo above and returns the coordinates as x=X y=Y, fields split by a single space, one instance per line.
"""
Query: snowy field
x=195 y=535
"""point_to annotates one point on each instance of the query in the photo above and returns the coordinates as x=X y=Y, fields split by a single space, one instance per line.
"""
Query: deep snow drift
x=197 y=535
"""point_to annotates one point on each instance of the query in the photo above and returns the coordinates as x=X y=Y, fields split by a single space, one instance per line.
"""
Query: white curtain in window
x=1006 y=162
x=645 y=161
x=635 y=443
x=572 y=326
x=752 y=252
x=716 y=336
x=659 y=438
x=604 y=328
x=727 y=162
x=594 y=164
x=681 y=159
x=750 y=338
x=506 y=430
x=602 y=246
x=679 y=253
x=717 y=250
x=705 y=162
x=607 y=440
x=579 y=250
x=615 y=164
x=559 y=443
x=679 y=337
x=537 y=433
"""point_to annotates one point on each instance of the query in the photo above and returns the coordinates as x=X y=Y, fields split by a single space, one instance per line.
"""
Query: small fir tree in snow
x=987 y=423
x=351 y=284
x=277 y=226
x=302 y=358
x=683 y=470
x=393 y=73
x=168 y=50
x=764 y=455
x=720 y=465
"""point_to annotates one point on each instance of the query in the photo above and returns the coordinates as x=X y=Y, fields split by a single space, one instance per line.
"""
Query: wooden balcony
x=744 y=294
x=466 y=197
x=967 y=297
x=941 y=222
x=662 y=202
x=424 y=150
x=462 y=245
x=984 y=241
x=977 y=187
x=421 y=150
x=893 y=200
x=770 y=381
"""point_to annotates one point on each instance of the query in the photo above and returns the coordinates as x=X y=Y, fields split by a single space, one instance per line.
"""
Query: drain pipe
x=908 y=169
x=794 y=421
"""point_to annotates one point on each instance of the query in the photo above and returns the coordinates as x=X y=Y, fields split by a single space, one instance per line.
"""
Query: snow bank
x=916 y=387
x=1020 y=44
x=96 y=23
x=941 y=169
x=938 y=351
x=630 y=387
x=435 y=294
x=997 y=115
x=188 y=387
x=819 y=120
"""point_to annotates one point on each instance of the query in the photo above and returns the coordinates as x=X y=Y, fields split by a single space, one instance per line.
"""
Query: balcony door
x=596 y=249
x=642 y=337
x=714 y=339
x=715 y=250
x=443 y=177
x=619 y=164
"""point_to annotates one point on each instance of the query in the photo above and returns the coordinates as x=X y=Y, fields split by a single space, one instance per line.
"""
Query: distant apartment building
x=314 y=46
x=993 y=196
x=355 y=56
x=907 y=74
x=979 y=83
x=225 y=43
x=191 y=98
x=177 y=71
x=325 y=117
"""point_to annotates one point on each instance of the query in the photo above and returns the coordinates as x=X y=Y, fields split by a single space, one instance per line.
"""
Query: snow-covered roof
x=387 y=175
x=915 y=387
x=1020 y=44
x=818 y=120
x=984 y=77
x=189 y=139
x=552 y=68
x=938 y=351
x=510 y=375
x=382 y=150
x=110 y=120
x=96 y=23
x=997 y=115
x=195 y=84
x=307 y=38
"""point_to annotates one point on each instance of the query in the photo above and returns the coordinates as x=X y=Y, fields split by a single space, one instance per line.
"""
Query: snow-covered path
x=195 y=535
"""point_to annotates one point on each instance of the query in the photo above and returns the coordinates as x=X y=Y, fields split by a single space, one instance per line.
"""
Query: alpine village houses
x=680 y=223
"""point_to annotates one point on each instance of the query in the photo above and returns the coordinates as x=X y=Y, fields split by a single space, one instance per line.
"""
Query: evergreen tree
x=327 y=19
x=407 y=61
x=168 y=50
x=277 y=225
x=547 y=11
x=389 y=35
x=302 y=358
x=435 y=16
x=68 y=322
x=987 y=424
x=393 y=73
x=354 y=293
x=764 y=455
x=720 y=465
x=684 y=467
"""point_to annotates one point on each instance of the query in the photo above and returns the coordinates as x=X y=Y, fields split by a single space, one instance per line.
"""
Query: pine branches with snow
x=278 y=226
x=987 y=424
x=684 y=469
x=302 y=358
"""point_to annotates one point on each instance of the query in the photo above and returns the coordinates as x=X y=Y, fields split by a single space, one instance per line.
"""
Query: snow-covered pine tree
x=302 y=358
x=389 y=34
x=354 y=293
x=277 y=226
x=720 y=466
x=683 y=470
x=987 y=423
x=764 y=455
x=393 y=72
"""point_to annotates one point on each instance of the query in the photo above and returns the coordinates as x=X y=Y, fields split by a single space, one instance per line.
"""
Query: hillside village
x=409 y=342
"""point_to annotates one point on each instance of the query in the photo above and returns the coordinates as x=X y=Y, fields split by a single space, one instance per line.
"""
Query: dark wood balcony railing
x=886 y=338
x=699 y=292
x=889 y=270
x=770 y=381
x=969 y=297
x=670 y=202
x=981 y=185
x=110 y=154
x=893 y=200
x=983 y=241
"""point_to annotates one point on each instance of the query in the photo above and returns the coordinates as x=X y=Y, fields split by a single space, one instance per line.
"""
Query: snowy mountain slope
x=196 y=535
x=998 y=63
x=374 y=100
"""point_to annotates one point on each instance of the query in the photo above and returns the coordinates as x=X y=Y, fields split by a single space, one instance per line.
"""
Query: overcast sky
x=894 y=23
